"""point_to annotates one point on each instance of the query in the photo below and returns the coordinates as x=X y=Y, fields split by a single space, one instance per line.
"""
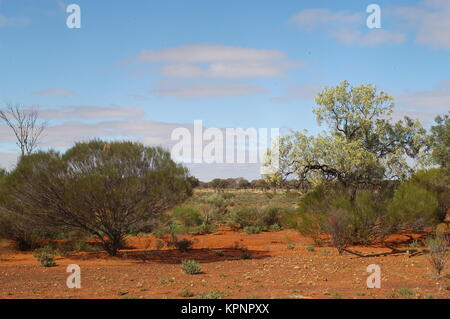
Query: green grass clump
x=45 y=256
x=190 y=267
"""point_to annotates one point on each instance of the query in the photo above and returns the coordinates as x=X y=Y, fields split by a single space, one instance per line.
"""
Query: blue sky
x=137 y=69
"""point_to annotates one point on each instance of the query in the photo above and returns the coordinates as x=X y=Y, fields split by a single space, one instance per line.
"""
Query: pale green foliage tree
x=363 y=145
x=440 y=141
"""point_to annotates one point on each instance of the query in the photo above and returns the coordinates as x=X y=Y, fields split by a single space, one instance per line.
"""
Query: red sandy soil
x=274 y=271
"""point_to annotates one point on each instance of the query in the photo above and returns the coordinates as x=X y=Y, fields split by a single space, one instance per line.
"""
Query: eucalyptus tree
x=363 y=145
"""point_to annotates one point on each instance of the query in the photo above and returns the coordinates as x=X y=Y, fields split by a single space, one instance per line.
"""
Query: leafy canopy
x=363 y=145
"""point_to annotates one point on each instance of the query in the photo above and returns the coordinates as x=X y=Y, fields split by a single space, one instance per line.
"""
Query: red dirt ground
x=274 y=271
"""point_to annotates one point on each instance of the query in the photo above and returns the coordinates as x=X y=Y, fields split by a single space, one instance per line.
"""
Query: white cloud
x=349 y=28
x=425 y=104
x=437 y=100
x=307 y=91
x=60 y=92
x=431 y=22
x=203 y=53
x=217 y=61
x=208 y=90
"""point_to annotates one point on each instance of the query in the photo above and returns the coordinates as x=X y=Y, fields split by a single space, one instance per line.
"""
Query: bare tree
x=24 y=123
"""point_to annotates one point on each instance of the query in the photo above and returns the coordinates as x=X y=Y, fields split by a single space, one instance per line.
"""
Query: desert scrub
x=214 y=294
x=203 y=229
x=188 y=215
x=190 y=267
x=310 y=248
x=45 y=256
x=438 y=257
x=253 y=229
x=183 y=245
x=186 y=293
x=246 y=255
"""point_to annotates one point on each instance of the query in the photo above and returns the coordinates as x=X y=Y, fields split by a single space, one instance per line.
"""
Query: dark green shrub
x=242 y=217
x=183 y=245
x=436 y=181
x=270 y=216
x=188 y=215
x=329 y=210
x=246 y=255
x=413 y=207
x=102 y=188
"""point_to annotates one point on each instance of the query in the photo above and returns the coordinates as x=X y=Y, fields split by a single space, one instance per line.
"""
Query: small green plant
x=186 y=293
x=310 y=248
x=336 y=296
x=414 y=244
x=190 y=267
x=219 y=253
x=290 y=246
x=275 y=227
x=428 y=296
x=405 y=292
x=45 y=256
x=246 y=255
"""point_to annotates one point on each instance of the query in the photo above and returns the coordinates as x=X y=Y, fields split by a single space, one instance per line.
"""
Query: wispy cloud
x=346 y=27
x=430 y=21
x=91 y=112
x=307 y=91
x=217 y=61
x=206 y=89
x=13 y=21
x=434 y=100
x=59 y=92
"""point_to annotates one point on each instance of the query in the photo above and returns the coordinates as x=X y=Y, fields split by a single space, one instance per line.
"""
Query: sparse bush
x=186 y=293
x=270 y=216
x=310 y=248
x=438 y=256
x=190 y=267
x=339 y=230
x=203 y=229
x=242 y=217
x=45 y=256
